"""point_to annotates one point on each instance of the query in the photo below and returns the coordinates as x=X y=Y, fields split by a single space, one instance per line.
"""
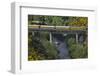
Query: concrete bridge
x=65 y=30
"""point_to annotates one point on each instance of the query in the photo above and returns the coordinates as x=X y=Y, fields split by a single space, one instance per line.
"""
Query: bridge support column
x=76 y=37
x=32 y=33
x=50 y=38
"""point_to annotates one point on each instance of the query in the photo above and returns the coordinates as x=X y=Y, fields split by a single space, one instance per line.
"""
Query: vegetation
x=39 y=46
x=58 y=20
x=77 y=50
x=50 y=50
x=77 y=21
x=35 y=49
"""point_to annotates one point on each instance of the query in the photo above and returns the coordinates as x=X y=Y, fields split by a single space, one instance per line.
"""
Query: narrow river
x=59 y=41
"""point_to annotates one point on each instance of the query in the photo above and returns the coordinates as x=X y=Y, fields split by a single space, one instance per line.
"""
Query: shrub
x=34 y=55
x=71 y=41
x=50 y=49
x=78 y=51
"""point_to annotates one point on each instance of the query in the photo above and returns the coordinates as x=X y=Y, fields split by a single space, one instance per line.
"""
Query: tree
x=70 y=41
x=48 y=20
x=77 y=50
x=42 y=19
x=52 y=52
x=78 y=21
x=57 y=21
x=34 y=55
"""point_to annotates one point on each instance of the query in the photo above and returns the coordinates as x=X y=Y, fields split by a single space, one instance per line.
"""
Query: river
x=59 y=41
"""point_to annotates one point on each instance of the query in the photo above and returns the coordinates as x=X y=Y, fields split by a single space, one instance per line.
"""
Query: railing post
x=32 y=33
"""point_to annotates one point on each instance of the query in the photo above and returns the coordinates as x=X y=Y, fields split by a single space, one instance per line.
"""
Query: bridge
x=57 y=29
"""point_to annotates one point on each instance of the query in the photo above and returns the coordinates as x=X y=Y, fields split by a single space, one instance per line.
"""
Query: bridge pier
x=76 y=37
x=32 y=33
x=50 y=37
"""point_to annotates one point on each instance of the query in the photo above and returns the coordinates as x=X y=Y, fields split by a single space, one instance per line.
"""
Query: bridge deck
x=64 y=29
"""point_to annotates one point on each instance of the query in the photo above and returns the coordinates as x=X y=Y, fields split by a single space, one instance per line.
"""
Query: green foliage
x=33 y=55
x=30 y=39
x=39 y=47
x=42 y=19
x=78 y=21
x=35 y=49
x=48 y=20
x=44 y=35
x=57 y=21
x=36 y=19
x=77 y=50
x=68 y=36
x=71 y=41
x=50 y=49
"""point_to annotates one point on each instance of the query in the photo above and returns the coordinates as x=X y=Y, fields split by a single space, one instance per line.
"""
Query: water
x=59 y=41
